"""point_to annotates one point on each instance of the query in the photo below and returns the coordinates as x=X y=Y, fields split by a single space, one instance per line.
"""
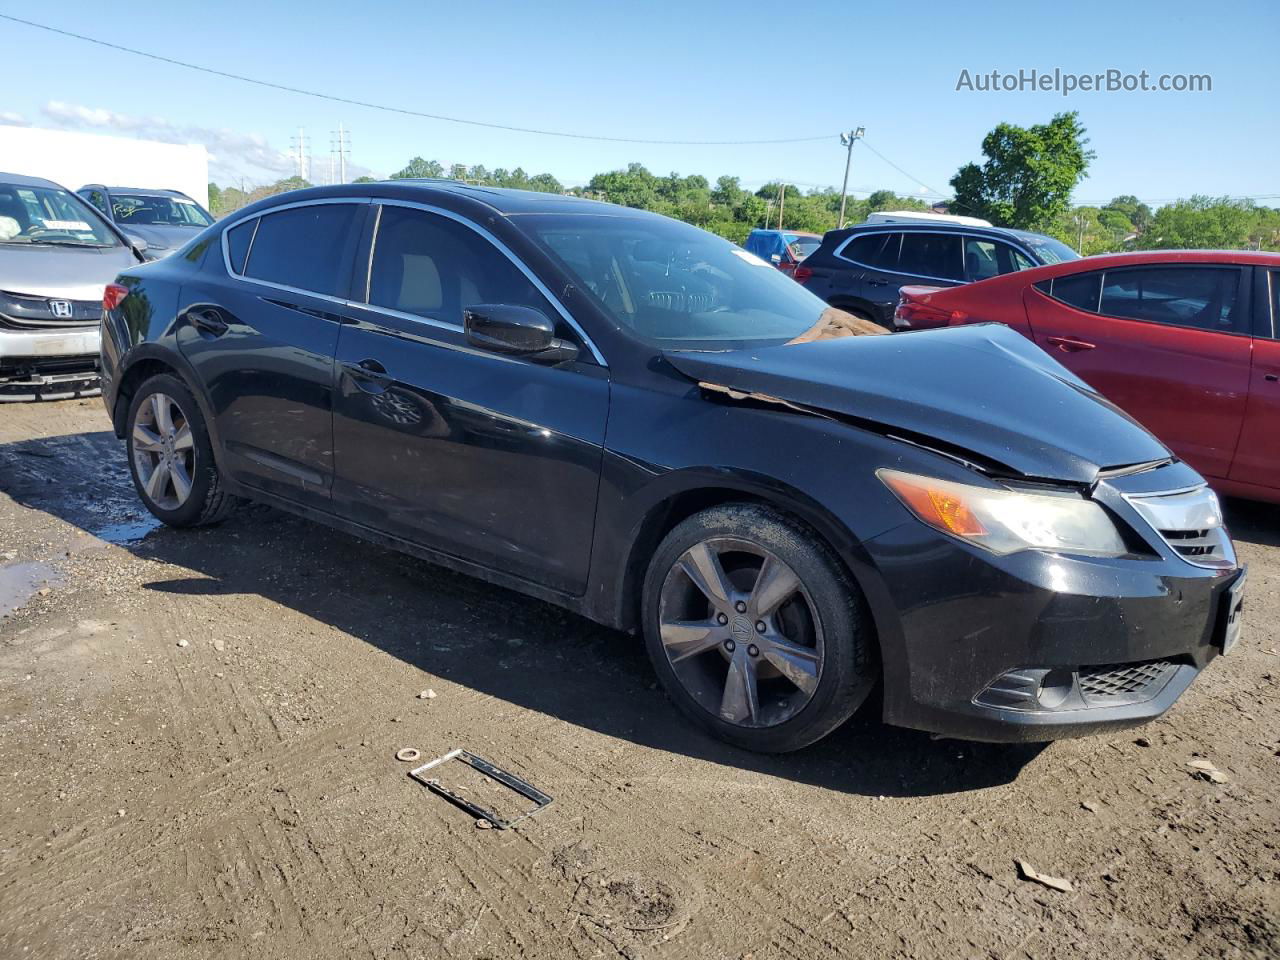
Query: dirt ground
x=197 y=740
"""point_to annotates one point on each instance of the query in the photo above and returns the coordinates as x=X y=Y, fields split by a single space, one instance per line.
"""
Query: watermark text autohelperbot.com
x=1067 y=83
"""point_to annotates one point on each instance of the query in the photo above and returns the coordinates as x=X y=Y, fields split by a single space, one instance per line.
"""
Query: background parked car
x=860 y=268
x=783 y=248
x=1184 y=341
x=165 y=219
x=56 y=258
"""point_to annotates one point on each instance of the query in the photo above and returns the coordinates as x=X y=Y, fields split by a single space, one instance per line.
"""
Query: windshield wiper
x=45 y=241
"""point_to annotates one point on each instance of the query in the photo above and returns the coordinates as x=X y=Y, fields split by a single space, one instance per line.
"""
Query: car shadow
x=1251 y=521
x=492 y=640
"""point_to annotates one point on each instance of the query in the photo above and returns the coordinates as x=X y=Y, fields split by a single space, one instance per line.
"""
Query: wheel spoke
x=688 y=638
x=775 y=583
x=144 y=438
x=182 y=440
x=798 y=664
x=703 y=568
x=741 y=701
x=158 y=480
x=181 y=481
x=160 y=410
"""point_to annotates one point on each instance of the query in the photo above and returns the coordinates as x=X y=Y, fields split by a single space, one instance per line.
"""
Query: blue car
x=782 y=248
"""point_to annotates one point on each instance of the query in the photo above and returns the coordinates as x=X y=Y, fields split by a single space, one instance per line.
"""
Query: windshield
x=157 y=211
x=676 y=285
x=50 y=215
x=1047 y=249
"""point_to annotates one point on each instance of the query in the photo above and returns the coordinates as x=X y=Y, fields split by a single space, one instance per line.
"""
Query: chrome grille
x=21 y=311
x=1190 y=522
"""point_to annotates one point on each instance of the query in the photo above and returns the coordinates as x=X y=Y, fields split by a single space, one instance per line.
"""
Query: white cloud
x=232 y=155
x=12 y=119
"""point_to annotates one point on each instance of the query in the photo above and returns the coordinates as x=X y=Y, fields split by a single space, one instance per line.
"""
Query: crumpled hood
x=981 y=388
x=62 y=272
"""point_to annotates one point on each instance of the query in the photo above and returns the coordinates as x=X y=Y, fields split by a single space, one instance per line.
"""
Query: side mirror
x=139 y=245
x=517 y=331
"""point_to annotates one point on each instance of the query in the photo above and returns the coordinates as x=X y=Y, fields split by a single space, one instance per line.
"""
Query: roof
x=789 y=233
x=145 y=191
x=18 y=180
x=506 y=200
x=1137 y=257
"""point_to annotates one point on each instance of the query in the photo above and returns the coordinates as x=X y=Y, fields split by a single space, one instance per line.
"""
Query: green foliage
x=364 y=180
x=419 y=169
x=1200 y=223
x=1028 y=175
x=225 y=200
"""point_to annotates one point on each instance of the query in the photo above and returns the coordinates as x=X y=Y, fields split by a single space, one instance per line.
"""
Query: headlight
x=1006 y=521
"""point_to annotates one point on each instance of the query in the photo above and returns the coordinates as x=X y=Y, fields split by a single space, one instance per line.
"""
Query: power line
x=400 y=110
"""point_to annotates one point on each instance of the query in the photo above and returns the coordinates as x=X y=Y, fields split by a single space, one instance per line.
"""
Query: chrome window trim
x=502 y=247
x=838 y=252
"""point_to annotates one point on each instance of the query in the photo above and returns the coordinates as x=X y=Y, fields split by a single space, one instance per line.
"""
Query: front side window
x=934 y=255
x=309 y=248
x=1200 y=297
x=991 y=258
x=157 y=211
x=674 y=285
x=50 y=216
x=434 y=267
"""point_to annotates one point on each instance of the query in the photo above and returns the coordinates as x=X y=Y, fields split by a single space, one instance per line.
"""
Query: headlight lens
x=1006 y=521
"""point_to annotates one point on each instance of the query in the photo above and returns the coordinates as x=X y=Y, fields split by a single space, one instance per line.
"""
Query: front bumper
x=1038 y=646
x=48 y=364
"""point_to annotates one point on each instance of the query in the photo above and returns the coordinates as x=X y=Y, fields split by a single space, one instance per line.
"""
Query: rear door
x=1258 y=453
x=494 y=459
x=261 y=334
x=923 y=258
x=1168 y=344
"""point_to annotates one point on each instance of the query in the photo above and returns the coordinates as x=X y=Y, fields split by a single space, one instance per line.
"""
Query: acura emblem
x=60 y=308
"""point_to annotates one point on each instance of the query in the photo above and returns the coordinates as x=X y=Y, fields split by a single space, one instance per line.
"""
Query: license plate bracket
x=1232 y=613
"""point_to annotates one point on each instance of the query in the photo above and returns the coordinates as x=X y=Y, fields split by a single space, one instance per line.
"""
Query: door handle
x=1069 y=344
x=1271 y=377
x=368 y=373
x=208 y=321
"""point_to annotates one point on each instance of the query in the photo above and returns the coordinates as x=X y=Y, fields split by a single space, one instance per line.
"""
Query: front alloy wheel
x=740 y=632
x=755 y=628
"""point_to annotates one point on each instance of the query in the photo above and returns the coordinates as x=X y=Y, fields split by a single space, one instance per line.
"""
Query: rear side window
x=1275 y=304
x=433 y=267
x=309 y=248
x=1203 y=298
x=931 y=255
x=238 y=238
x=1079 y=290
x=874 y=250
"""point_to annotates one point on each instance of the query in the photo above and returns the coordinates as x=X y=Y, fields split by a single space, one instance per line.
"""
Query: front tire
x=755 y=630
x=171 y=457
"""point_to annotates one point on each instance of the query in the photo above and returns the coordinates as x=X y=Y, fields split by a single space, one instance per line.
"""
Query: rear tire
x=171 y=457
x=781 y=652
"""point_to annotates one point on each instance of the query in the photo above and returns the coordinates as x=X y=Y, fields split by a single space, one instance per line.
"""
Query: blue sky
x=689 y=71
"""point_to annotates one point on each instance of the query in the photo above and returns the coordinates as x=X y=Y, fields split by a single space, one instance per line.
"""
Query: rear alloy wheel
x=163 y=451
x=170 y=456
x=755 y=629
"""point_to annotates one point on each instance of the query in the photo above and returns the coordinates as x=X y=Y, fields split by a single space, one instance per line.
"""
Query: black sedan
x=641 y=422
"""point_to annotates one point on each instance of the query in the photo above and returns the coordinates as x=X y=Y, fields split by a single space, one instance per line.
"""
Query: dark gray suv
x=860 y=268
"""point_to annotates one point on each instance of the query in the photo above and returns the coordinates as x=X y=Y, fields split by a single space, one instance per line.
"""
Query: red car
x=1186 y=341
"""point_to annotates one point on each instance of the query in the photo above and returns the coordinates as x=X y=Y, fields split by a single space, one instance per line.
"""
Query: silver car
x=165 y=219
x=57 y=254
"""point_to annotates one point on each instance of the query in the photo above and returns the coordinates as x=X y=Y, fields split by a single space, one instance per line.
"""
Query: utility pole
x=782 y=202
x=847 y=140
x=341 y=145
x=302 y=155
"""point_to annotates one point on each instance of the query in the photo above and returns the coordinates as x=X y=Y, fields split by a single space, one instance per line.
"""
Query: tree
x=1137 y=212
x=1200 y=223
x=1028 y=175
x=364 y=180
x=419 y=168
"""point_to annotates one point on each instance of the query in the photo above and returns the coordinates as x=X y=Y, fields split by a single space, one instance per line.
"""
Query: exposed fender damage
x=981 y=393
